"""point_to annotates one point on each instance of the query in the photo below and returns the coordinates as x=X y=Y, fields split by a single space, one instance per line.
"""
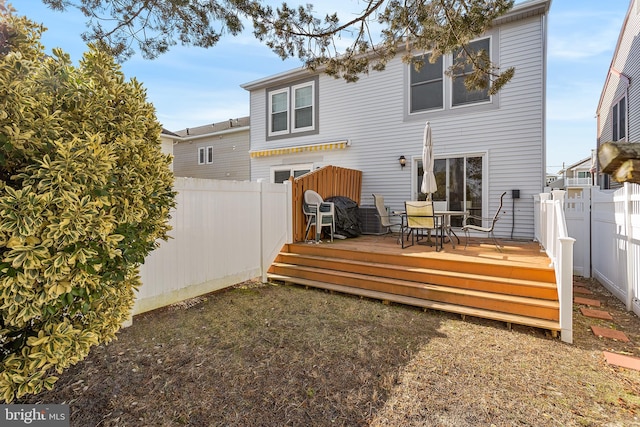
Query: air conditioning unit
x=370 y=221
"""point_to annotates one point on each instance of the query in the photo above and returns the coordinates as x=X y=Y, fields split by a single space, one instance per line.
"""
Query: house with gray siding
x=578 y=174
x=483 y=144
x=618 y=112
x=214 y=151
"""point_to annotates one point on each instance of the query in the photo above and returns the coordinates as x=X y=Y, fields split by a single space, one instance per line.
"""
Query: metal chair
x=489 y=230
x=383 y=214
x=419 y=217
x=319 y=214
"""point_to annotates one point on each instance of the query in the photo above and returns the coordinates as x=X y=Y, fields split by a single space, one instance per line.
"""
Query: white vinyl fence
x=224 y=232
x=606 y=227
x=615 y=244
x=577 y=213
x=551 y=232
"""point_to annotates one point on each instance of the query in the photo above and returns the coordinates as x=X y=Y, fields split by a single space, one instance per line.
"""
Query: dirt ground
x=275 y=355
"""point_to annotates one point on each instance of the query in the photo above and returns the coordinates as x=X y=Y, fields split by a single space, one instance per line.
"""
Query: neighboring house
x=550 y=178
x=618 y=111
x=483 y=144
x=214 y=151
x=167 y=139
x=578 y=174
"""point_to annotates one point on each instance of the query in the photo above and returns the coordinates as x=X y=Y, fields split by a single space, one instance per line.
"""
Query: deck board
x=515 y=285
x=517 y=253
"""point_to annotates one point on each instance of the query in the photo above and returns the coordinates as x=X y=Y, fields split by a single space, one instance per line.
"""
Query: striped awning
x=336 y=145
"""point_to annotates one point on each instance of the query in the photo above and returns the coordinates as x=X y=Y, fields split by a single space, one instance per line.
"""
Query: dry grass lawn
x=273 y=355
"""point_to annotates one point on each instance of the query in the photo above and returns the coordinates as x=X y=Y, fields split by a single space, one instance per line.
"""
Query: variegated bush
x=85 y=194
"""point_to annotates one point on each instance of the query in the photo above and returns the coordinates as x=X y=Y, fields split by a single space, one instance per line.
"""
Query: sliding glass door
x=459 y=182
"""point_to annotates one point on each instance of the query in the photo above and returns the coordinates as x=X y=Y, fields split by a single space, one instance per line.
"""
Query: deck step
x=418 y=302
x=512 y=304
x=475 y=266
x=497 y=284
x=516 y=293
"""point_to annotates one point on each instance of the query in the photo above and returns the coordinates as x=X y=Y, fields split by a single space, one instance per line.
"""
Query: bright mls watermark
x=34 y=415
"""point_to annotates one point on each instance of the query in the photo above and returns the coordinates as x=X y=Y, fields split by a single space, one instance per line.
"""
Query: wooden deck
x=516 y=285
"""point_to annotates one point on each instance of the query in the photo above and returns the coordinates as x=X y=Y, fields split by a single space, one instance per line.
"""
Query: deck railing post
x=536 y=217
x=544 y=220
x=564 y=277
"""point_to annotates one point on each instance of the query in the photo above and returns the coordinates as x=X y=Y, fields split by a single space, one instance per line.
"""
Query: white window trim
x=470 y=104
x=293 y=107
x=426 y=55
x=271 y=94
x=290 y=91
x=292 y=168
x=203 y=155
x=626 y=117
x=485 y=172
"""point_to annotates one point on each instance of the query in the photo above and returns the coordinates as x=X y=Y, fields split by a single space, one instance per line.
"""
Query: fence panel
x=577 y=212
x=606 y=262
x=328 y=181
x=633 y=242
x=616 y=242
x=220 y=232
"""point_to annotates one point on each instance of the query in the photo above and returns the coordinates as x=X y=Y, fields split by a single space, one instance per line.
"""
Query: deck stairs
x=524 y=295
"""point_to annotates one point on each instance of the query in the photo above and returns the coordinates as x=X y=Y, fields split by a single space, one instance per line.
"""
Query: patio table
x=447 y=223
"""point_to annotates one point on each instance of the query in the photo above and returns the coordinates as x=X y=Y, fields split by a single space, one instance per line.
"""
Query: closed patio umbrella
x=429 y=185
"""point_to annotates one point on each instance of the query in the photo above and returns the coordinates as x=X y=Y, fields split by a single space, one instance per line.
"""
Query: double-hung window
x=619 y=119
x=292 y=109
x=279 y=112
x=426 y=83
x=302 y=107
x=460 y=94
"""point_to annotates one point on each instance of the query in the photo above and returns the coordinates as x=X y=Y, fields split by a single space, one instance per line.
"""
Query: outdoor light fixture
x=403 y=161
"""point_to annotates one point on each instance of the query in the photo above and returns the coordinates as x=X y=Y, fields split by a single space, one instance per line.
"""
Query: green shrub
x=85 y=194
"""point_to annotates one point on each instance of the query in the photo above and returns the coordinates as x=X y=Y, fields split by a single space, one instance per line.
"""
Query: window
x=460 y=95
x=205 y=155
x=283 y=172
x=292 y=109
x=303 y=108
x=279 y=107
x=619 y=120
x=426 y=84
x=460 y=182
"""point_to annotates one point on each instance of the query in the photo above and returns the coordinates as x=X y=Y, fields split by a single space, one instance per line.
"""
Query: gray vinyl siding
x=230 y=157
x=627 y=61
x=372 y=115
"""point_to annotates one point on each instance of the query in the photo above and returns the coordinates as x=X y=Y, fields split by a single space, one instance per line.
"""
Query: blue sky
x=191 y=86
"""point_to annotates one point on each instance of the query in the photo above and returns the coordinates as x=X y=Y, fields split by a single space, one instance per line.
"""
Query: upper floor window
x=460 y=94
x=426 y=91
x=619 y=120
x=205 y=155
x=279 y=107
x=292 y=109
